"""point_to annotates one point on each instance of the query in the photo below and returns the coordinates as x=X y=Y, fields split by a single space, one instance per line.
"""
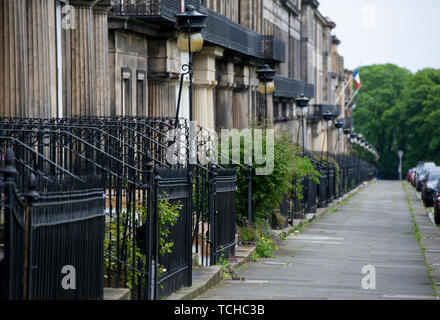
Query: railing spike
x=9 y=170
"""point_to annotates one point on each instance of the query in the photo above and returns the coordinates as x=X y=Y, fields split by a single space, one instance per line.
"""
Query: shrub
x=268 y=190
x=279 y=221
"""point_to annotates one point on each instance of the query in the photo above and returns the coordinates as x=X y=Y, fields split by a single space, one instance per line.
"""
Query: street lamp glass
x=196 y=42
x=191 y=22
x=266 y=87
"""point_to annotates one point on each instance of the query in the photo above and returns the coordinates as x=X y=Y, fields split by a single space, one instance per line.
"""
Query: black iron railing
x=48 y=233
x=132 y=157
x=317 y=111
x=272 y=48
x=289 y=88
x=147 y=9
x=334 y=182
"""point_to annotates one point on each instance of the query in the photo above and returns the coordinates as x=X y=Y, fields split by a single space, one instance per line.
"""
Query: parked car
x=437 y=205
x=412 y=177
x=420 y=173
x=410 y=174
x=429 y=186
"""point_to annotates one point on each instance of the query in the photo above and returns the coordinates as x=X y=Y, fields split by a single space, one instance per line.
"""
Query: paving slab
x=372 y=228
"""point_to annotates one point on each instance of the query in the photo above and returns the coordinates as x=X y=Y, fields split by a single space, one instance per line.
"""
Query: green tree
x=421 y=103
x=379 y=114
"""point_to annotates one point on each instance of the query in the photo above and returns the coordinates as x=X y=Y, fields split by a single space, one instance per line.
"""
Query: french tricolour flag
x=357 y=79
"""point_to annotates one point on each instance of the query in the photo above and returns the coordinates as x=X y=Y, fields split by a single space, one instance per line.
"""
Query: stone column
x=13 y=59
x=242 y=105
x=83 y=79
x=102 y=98
x=224 y=95
x=39 y=58
x=162 y=97
x=204 y=83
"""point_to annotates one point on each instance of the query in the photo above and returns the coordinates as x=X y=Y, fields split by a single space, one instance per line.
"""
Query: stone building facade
x=62 y=58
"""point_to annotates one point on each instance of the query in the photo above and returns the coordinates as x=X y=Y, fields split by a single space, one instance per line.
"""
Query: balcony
x=289 y=88
x=228 y=34
x=273 y=49
x=316 y=111
x=152 y=10
x=219 y=29
x=346 y=121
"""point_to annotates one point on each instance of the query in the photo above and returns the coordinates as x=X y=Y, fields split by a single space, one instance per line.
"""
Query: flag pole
x=343 y=90
x=352 y=98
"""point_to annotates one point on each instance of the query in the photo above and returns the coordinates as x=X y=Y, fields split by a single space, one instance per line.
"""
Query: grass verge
x=419 y=239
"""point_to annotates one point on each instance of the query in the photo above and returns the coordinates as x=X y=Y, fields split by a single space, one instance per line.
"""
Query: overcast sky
x=403 y=32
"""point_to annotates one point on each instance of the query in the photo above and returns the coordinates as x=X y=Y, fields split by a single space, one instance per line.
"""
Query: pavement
x=372 y=230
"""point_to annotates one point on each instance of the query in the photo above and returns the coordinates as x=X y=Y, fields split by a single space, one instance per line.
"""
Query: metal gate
x=224 y=241
x=50 y=233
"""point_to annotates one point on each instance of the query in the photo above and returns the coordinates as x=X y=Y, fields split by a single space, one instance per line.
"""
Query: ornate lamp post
x=302 y=102
x=400 y=155
x=190 y=24
x=266 y=75
x=327 y=116
x=347 y=131
x=353 y=137
x=339 y=125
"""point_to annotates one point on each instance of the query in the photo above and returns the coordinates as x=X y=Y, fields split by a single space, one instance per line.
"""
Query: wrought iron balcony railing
x=146 y=9
x=346 y=121
x=219 y=31
x=273 y=48
x=226 y=33
x=316 y=111
x=289 y=88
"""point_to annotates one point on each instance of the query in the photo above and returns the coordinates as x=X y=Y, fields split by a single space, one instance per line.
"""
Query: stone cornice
x=313 y=3
x=132 y=25
x=103 y=6
x=336 y=40
x=330 y=23
x=291 y=6
x=320 y=17
x=83 y=3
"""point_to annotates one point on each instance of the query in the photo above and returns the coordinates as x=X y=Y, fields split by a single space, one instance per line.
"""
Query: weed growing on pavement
x=260 y=236
x=224 y=263
x=419 y=239
x=265 y=246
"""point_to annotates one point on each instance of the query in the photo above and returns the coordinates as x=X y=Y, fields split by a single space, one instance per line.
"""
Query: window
x=284 y=111
x=140 y=90
x=126 y=92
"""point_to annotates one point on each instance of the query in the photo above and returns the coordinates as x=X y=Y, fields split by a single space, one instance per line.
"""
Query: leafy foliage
x=268 y=190
x=168 y=216
x=265 y=246
x=396 y=110
x=260 y=236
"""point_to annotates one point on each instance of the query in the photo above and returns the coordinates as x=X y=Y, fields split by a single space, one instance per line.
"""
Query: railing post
x=11 y=289
x=149 y=240
x=156 y=235
x=31 y=195
x=212 y=213
x=250 y=207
